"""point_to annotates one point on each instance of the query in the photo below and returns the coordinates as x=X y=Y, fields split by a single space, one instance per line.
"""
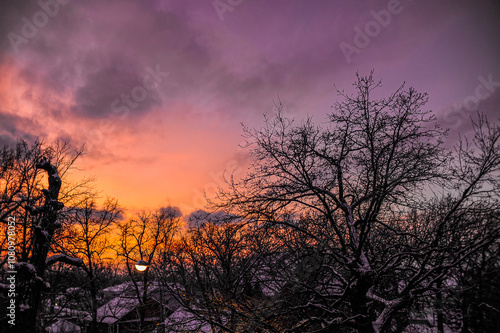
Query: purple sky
x=158 y=89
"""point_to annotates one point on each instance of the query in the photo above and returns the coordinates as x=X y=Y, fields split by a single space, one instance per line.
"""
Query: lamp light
x=141 y=265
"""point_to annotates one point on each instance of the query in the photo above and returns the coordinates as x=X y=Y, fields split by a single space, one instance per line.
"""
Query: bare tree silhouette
x=387 y=210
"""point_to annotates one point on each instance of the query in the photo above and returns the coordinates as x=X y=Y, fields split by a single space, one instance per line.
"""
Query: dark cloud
x=14 y=128
x=171 y=212
x=11 y=14
x=113 y=86
x=200 y=217
x=7 y=140
x=99 y=52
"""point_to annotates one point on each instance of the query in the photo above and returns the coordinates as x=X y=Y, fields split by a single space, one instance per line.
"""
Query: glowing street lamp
x=141 y=265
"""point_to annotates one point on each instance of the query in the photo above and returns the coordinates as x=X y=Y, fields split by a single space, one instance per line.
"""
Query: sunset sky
x=158 y=89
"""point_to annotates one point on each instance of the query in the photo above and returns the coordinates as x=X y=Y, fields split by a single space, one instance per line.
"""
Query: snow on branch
x=26 y=266
x=65 y=259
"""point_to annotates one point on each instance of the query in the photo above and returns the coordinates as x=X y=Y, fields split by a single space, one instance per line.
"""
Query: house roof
x=182 y=320
x=115 y=309
x=67 y=312
x=126 y=300
x=61 y=326
x=119 y=288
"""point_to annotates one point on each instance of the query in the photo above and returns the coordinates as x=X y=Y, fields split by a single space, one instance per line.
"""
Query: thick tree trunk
x=360 y=300
x=32 y=283
x=439 y=308
x=94 y=304
x=465 y=312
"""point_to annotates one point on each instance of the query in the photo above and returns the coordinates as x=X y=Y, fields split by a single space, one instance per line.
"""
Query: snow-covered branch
x=65 y=259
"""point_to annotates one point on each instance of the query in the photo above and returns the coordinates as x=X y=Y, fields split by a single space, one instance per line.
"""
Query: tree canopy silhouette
x=388 y=211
